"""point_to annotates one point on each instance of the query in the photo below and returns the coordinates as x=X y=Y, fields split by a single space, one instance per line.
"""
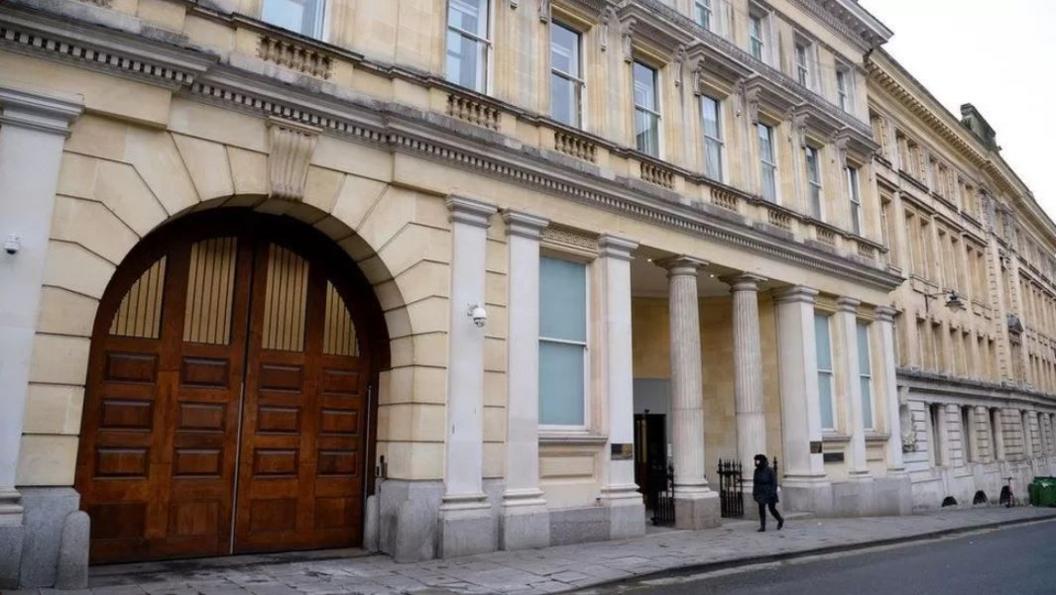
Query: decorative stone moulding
x=725 y=199
x=291 y=148
x=295 y=56
x=657 y=175
x=825 y=235
x=473 y=111
x=779 y=219
x=575 y=145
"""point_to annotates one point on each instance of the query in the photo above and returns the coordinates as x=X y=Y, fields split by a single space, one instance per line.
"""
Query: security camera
x=479 y=315
x=12 y=244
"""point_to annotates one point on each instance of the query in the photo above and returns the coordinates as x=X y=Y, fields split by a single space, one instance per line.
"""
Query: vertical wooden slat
x=139 y=314
x=210 y=290
x=339 y=331
x=285 y=300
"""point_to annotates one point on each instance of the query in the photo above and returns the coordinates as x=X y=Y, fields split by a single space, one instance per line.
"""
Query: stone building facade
x=436 y=277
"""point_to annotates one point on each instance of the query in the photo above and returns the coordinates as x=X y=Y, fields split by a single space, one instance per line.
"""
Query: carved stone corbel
x=840 y=142
x=544 y=11
x=799 y=128
x=751 y=104
x=626 y=36
x=291 y=145
x=680 y=65
x=607 y=20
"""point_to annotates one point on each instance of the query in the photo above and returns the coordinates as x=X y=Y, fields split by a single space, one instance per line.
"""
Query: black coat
x=764 y=485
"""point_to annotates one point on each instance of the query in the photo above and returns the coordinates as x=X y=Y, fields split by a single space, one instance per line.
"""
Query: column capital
x=847 y=304
x=885 y=313
x=681 y=265
x=743 y=281
x=469 y=211
x=616 y=247
x=796 y=293
x=43 y=112
x=524 y=225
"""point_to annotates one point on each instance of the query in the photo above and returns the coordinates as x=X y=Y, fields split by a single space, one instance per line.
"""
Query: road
x=1018 y=560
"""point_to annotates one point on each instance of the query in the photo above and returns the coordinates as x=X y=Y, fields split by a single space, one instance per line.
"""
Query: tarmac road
x=1019 y=560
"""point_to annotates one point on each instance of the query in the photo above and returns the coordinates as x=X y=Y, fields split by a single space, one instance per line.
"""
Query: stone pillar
x=1028 y=436
x=847 y=326
x=33 y=130
x=619 y=492
x=804 y=484
x=466 y=523
x=747 y=372
x=885 y=319
x=696 y=505
x=525 y=521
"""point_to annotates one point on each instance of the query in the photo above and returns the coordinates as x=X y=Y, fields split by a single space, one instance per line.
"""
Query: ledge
x=571 y=438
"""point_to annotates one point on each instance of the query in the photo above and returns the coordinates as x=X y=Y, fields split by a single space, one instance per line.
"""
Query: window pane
x=863 y=348
x=825 y=399
x=647 y=132
x=302 y=16
x=560 y=384
x=562 y=299
x=644 y=87
x=713 y=156
x=709 y=109
x=466 y=61
x=766 y=148
x=821 y=339
x=564 y=49
x=867 y=403
x=469 y=15
x=564 y=100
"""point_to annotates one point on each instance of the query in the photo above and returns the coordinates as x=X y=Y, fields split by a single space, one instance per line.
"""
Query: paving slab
x=546 y=570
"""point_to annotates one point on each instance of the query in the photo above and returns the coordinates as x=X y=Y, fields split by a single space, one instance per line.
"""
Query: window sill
x=871 y=436
x=835 y=437
x=571 y=437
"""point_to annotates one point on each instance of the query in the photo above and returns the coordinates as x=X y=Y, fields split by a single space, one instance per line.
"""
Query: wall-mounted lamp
x=478 y=314
x=954 y=301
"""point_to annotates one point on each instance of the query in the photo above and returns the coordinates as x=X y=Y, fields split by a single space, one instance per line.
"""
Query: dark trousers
x=773 y=511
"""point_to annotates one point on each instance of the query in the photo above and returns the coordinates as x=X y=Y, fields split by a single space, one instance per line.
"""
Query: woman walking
x=764 y=491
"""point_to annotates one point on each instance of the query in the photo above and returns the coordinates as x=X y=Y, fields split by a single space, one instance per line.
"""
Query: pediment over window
x=763 y=95
x=855 y=144
x=714 y=69
x=643 y=28
x=809 y=120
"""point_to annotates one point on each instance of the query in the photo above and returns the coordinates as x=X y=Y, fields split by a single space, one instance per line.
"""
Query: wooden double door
x=227 y=401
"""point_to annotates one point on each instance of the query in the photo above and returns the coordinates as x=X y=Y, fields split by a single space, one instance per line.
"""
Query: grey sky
x=998 y=56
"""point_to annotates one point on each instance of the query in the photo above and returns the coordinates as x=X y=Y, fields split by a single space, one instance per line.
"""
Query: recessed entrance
x=229 y=397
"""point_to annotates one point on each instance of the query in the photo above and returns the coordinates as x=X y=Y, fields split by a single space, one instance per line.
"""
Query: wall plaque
x=832 y=457
x=622 y=451
x=815 y=447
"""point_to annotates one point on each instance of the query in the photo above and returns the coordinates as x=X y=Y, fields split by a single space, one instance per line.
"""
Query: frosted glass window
x=300 y=16
x=854 y=193
x=767 y=161
x=814 y=179
x=823 y=346
x=562 y=342
x=865 y=375
x=468 y=44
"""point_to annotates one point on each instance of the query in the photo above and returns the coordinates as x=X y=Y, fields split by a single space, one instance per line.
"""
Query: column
x=466 y=524
x=619 y=492
x=525 y=521
x=696 y=505
x=847 y=326
x=33 y=130
x=885 y=320
x=804 y=483
x=747 y=372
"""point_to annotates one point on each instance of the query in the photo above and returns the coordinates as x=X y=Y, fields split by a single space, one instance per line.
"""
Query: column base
x=626 y=510
x=854 y=497
x=11 y=539
x=467 y=526
x=812 y=495
x=525 y=520
x=699 y=510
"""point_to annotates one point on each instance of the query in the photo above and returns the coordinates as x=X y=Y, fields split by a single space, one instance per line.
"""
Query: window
x=968 y=433
x=566 y=84
x=865 y=376
x=854 y=193
x=843 y=89
x=814 y=180
x=823 y=346
x=468 y=44
x=646 y=110
x=301 y=16
x=562 y=342
x=803 y=63
x=937 y=415
x=756 y=34
x=704 y=13
x=710 y=117
x=767 y=162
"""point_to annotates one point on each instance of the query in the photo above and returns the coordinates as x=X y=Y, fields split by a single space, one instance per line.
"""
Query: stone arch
x=119 y=182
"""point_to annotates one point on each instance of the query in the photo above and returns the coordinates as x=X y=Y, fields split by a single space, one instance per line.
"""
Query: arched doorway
x=229 y=404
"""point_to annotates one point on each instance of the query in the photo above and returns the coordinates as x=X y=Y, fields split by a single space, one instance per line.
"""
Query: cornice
x=849 y=19
x=341 y=113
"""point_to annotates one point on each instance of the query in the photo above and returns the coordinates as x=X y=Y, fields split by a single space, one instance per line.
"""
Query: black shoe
x=761 y=530
x=780 y=523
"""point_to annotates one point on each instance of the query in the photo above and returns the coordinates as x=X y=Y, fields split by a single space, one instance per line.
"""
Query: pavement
x=548 y=570
x=1012 y=560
